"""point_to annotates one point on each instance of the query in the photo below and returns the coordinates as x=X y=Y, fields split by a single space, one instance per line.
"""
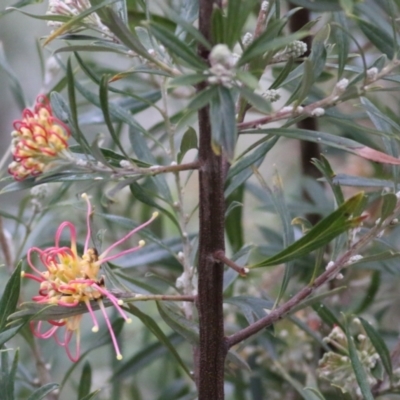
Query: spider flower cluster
x=38 y=139
x=70 y=279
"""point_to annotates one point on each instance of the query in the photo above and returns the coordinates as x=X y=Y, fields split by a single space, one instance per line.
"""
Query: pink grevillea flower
x=38 y=139
x=70 y=279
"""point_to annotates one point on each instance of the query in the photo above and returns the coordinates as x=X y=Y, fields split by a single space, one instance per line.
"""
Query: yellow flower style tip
x=119 y=357
x=155 y=214
x=142 y=243
x=70 y=279
x=38 y=139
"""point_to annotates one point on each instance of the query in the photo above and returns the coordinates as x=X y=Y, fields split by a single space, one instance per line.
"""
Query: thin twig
x=330 y=273
x=220 y=255
x=260 y=25
x=327 y=102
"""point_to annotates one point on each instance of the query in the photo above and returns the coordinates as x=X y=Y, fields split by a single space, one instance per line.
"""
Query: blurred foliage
x=121 y=77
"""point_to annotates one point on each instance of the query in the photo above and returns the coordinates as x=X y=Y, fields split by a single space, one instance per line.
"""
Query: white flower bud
x=125 y=164
x=372 y=74
x=296 y=48
x=317 y=112
x=220 y=54
x=247 y=38
x=355 y=258
x=286 y=109
x=341 y=86
x=264 y=6
x=330 y=265
x=271 y=95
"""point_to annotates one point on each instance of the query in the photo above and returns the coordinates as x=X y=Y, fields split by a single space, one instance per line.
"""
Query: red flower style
x=70 y=279
x=38 y=139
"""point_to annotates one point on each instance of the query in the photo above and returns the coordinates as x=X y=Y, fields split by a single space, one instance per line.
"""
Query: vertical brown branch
x=212 y=349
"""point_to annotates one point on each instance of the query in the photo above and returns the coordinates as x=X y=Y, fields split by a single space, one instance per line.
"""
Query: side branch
x=220 y=255
x=330 y=273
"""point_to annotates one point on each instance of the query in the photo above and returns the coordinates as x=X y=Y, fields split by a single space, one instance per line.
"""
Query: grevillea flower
x=38 y=139
x=71 y=279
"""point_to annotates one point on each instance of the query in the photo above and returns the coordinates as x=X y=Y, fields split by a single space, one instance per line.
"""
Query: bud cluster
x=336 y=367
x=72 y=8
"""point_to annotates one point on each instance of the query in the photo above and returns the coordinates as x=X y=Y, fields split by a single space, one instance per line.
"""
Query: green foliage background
x=124 y=102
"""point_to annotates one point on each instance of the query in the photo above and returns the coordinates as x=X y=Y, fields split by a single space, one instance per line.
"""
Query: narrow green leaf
x=13 y=81
x=203 y=98
x=389 y=201
x=315 y=391
x=104 y=103
x=7 y=375
x=177 y=47
x=117 y=26
x=189 y=12
x=142 y=195
x=320 y=5
x=316 y=299
x=144 y=357
x=323 y=165
x=98 y=48
x=9 y=299
x=264 y=43
x=341 y=40
x=76 y=21
x=218 y=24
x=159 y=334
x=327 y=315
x=187 y=80
x=378 y=37
x=234 y=218
x=358 y=368
x=72 y=111
x=18 y=4
x=283 y=74
x=359 y=181
x=257 y=101
x=321 y=234
x=305 y=84
x=251 y=307
x=298 y=386
x=242 y=170
x=176 y=321
x=223 y=122
x=369 y=297
x=86 y=381
x=189 y=141
x=338 y=142
x=380 y=346
x=186 y=26
x=278 y=199
x=237 y=14
x=91 y=395
x=6 y=335
x=43 y=391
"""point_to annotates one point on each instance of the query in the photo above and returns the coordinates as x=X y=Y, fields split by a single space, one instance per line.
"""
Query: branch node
x=220 y=255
